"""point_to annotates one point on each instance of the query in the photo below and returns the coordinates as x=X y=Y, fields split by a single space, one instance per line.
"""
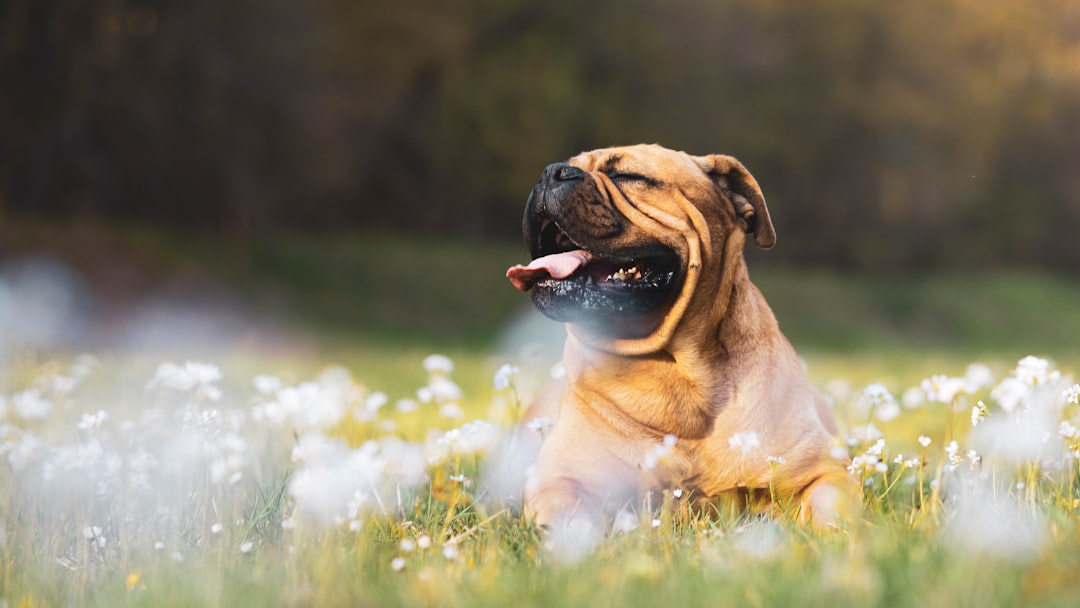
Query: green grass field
x=262 y=478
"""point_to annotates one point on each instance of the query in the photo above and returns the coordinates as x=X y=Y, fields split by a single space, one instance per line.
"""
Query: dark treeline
x=887 y=135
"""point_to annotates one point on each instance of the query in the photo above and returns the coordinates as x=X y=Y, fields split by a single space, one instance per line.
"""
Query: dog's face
x=621 y=236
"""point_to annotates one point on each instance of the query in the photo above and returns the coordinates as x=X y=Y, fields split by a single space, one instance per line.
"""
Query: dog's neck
x=704 y=360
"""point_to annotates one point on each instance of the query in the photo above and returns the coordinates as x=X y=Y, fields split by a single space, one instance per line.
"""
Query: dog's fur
x=710 y=365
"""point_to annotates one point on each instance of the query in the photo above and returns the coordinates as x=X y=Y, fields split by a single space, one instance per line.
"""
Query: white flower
x=670 y=440
x=438 y=364
x=558 y=371
x=978 y=412
x=266 y=384
x=778 y=460
x=1033 y=371
x=443 y=389
x=913 y=397
x=977 y=377
x=93 y=534
x=744 y=442
x=504 y=377
x=31 y=405
x=660 y=454
x=540 y=425
x=924 y=441
x=424 y=541
x=90 y=422
x=407 y=545
x=1072 y=394
x=677 y=493
x=406 y=406
x=451 y=410
x=942 y=389
x=1067 y=430
x=247 y=547
x=450 y=552
x=878 y=399
x=216 y=528
x=624 y=522
x=397 y=564
x=1011 y=394
x=194 y=376
x=866 y=433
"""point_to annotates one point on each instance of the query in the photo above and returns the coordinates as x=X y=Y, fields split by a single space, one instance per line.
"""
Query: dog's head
x=621 y=238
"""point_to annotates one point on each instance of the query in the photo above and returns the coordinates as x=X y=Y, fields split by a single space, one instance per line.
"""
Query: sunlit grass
x=178 y=496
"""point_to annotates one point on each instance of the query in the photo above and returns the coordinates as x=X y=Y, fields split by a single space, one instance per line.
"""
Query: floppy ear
x=732 y=178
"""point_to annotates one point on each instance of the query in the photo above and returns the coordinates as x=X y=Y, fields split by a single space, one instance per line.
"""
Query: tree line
x=893 y=136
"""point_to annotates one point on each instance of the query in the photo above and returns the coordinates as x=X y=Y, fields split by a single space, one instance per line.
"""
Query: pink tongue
x=556 y=266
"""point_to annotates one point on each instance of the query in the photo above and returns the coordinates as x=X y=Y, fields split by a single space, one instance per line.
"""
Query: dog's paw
x=830 y=503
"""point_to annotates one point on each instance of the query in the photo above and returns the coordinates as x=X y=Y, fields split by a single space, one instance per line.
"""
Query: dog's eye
x=626 y=177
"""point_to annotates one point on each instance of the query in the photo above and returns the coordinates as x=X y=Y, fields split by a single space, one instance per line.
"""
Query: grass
x=377 y=306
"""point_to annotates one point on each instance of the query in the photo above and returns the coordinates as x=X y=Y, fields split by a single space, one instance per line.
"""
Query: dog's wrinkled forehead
x=649 y=160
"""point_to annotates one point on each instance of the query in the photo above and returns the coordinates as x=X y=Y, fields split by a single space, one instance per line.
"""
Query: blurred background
x=304 y=156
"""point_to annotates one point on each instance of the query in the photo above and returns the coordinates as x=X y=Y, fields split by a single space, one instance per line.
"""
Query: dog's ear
x=732 y=178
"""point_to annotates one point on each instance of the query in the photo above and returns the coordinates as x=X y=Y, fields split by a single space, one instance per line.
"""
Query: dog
x=677 y=376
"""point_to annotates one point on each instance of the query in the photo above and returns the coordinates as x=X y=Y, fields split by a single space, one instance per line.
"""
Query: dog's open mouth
x=573 y=283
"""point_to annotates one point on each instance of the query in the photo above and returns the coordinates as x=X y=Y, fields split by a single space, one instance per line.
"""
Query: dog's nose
x=562 y=172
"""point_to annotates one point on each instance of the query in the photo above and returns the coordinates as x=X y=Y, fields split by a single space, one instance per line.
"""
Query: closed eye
x=627 y=177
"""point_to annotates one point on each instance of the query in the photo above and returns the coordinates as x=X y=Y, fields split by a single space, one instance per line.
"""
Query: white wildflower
x=977 y=377
x=558 y=371
x=1011 y=394
x=443 y=389
x=866 y=433
x=438 y=364
x=744 y=442
x=978 y=413
x=247 y=547
x=677 y=492
x=450 y=552
x=406 y=406
x=1034 y=371
x=370 y=409
x=94 y=536
x=504 y=377
x=31 y=405
x=659 y=455
x=1067 y=431
x=216 y=528
x=266 y=384
x=878 y=399
x=942 y=389
x=451 y=410
x=924 y=441
x=541 y=425
x=407 y=545
x=397 y=564
x=624 y=522
x=913 y=397
x=1072 y=394
x=779 y=459
x=424 y=541
x=91 y=422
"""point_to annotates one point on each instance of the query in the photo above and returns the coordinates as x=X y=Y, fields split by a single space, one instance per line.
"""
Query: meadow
x=364 y=462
